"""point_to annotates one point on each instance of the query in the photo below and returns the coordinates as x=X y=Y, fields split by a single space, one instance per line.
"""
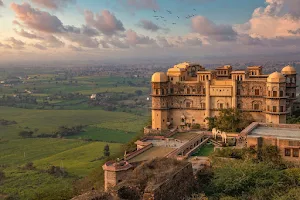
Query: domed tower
x=291 y=84
x=159 y=101
x=276 y=99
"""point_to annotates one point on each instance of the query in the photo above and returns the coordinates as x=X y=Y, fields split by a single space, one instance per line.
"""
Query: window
x=268 y=108
x=239 y=106
x=257 y=92
x=274 y=109
x=188 y=104
x=281 y=93
x=281 y=109
x=162 y=92
x=269 y=93
x=238 y=91
x=274 y=93
x=293 y=95
x=194 y=89
x=172 y=90
x=182 y=120
x=156 y=91
x=204 y=91
x=256 y=106
x=287 y=152
x=202 y=105
x=221 y=106
x=171 y=78
x=188 y=91
x=295 y=152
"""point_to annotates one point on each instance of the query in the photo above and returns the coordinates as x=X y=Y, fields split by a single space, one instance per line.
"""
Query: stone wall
x=176 y=187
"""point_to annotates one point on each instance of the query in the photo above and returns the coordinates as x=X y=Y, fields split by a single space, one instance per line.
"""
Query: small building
x=93 y=96
x=285 y=136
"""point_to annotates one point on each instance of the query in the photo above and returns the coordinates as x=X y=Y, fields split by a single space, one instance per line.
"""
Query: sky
x=45 y=30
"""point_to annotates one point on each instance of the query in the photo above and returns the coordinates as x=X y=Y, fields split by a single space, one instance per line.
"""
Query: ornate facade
x=188 y=93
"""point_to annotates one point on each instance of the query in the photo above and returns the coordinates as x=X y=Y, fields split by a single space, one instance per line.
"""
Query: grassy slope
x=47 y=121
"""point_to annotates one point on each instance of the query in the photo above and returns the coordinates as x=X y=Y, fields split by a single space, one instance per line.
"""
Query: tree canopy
x=230 y=120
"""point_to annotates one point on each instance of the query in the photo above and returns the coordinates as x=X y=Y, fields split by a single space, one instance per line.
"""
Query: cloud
x=193 y=42
x=140 y=4
x=53 y=4
x=276 y=19
x=6 y=46
x=39 y=46
x=104 y=44
x=148 y=25
x=36 y=19
x=294 y=32
x=28 y=34
x=53 y=42
x=116 y=42
x=83 y=40
x=248 y=40
x=163 y=42
x=105 y=22
x=16 y=44
x=74 y=48
x=207 y=28
x=134 y=39
x=91 y=32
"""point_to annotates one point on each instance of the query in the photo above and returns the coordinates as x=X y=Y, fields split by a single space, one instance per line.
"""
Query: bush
x=26 y=134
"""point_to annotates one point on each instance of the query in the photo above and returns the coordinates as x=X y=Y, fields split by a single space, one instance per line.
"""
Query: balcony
x=276 y=113
x=270 y=97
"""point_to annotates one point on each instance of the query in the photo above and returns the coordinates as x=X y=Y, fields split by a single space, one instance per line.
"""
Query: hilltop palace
x=188 y=93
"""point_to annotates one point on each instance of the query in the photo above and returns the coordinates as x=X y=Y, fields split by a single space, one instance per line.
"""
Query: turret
x=276 y=99
x=291 y=84
x=159 y=101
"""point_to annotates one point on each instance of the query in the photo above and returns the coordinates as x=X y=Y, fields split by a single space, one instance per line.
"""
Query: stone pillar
x=234 y=93
x=207 y=98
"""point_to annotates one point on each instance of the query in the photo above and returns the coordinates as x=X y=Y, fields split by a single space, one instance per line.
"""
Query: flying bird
x=154 y=11
x=173 y=23
x=194 y=9
x=169 y=12
x=177 y=17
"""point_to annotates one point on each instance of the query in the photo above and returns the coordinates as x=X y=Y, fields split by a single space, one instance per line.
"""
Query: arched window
x=188 y=91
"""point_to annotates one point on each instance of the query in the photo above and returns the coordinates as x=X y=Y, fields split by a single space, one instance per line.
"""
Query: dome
x=276 y=77
x=288 y=70
x=159 y=77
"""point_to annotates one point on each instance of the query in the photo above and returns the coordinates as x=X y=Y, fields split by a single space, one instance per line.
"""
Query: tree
x=231 y=120
x=26 y=134
x=106 y=151
x=139 y=92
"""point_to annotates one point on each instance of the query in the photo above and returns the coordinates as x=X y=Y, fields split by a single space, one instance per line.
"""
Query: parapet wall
x=138 y=152
x=176 y=187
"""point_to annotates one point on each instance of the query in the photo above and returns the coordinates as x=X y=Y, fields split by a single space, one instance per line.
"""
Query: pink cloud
x=207 y=28
x=53 y=4
x=37 y=19
x=134 y=39
x=105 y=22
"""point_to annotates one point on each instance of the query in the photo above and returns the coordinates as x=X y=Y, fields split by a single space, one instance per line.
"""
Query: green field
x=63 y=100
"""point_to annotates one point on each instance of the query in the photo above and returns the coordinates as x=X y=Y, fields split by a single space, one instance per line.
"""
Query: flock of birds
x=159 y=17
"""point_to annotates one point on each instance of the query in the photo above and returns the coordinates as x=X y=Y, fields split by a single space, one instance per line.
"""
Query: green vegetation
x=230 y=120
x=206 y=150
x=295 y=119
x=251 y=176
x=53 y=136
